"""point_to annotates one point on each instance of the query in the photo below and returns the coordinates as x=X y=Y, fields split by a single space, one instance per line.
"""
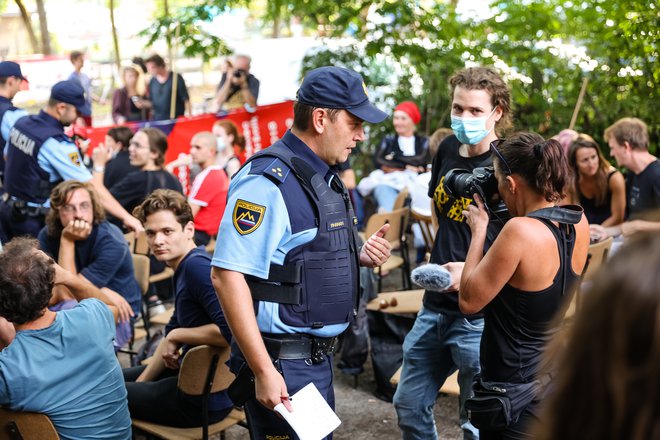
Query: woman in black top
x=523 y=280
x=147 y=152
x=597 y=186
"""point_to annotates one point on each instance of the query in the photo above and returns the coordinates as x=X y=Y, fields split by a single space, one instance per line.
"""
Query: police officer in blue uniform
x=287 y=260
x=11 y=78
x=39 y=155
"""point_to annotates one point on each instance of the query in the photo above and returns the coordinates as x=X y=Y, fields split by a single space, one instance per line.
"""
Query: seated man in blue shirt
x=82 y=241
x=197 y=320
x=59 y=363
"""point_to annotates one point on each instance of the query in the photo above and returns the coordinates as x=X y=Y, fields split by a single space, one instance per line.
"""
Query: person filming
x=526 y=277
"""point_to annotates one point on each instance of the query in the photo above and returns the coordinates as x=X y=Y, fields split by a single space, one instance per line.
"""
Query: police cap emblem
x=247 y=216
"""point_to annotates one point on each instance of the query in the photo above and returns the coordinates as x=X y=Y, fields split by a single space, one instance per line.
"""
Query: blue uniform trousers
x=265 y=423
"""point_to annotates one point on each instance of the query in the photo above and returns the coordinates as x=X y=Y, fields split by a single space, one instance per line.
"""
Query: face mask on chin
x=471 y=131
x=220 y=144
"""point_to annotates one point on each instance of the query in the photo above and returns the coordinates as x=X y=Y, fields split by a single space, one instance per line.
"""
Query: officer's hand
x=77 y=229
x=133 y=224
x=271 y=389
x=376 y=251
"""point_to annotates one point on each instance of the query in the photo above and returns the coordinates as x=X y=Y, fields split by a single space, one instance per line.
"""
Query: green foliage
x=535 y=44
x=195 y=41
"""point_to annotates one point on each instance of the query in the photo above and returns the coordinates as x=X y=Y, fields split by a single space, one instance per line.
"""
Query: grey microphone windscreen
x=431 y=277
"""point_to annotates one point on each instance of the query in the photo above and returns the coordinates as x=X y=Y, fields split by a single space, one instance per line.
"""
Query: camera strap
x=567 y=214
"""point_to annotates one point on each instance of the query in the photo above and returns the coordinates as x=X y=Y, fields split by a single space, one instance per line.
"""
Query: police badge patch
x=247 y=216
x=75 y=158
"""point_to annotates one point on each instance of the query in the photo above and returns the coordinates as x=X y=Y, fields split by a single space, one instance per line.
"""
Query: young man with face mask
x=443 y=339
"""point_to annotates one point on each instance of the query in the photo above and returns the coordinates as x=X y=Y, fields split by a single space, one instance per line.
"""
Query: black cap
x=339 y=88
x=10 y=68
x=71 y=92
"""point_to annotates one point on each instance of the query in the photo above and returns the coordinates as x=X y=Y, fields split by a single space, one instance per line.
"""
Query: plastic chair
x=203 y=371
x=16 y=425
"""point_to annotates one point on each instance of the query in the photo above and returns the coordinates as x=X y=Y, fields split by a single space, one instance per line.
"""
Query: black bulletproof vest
x=24 y=178
x=319 y=281
x=5 y=105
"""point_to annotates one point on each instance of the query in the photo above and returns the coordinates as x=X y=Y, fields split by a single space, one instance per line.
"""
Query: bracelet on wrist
x=98 y=169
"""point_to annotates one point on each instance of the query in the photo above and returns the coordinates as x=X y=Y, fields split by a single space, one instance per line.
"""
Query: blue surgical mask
x=220 y=144
x=471 y=131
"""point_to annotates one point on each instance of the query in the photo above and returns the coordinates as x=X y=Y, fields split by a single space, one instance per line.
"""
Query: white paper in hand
x=312 y=418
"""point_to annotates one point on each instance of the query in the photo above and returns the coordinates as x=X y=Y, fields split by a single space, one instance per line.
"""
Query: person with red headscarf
x=405 y=153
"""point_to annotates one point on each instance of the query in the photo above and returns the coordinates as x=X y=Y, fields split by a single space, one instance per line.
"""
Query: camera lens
x=458 y=183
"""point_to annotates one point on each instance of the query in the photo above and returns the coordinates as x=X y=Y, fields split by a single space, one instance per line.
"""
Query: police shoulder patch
x=277 y=171
x=247 y=216
x=75 y=158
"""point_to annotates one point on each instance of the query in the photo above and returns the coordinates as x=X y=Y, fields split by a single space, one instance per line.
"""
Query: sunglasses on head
x=493 y=147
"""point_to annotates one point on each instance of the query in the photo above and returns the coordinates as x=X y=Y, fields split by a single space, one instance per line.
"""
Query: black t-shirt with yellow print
x=453 y=238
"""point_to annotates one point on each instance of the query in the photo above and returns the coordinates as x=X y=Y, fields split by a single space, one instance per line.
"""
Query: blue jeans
x=385 y=197
x=437 y=345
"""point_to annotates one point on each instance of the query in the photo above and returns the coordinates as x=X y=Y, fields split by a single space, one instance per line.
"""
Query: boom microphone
x=432 y=277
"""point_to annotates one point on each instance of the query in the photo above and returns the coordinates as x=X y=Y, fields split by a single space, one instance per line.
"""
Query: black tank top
x=519 y=324
x=597 y=214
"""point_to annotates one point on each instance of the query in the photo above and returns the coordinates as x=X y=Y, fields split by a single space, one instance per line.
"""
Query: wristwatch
x=98 y=169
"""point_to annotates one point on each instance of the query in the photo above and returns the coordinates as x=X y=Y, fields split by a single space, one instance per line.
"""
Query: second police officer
x=39 y=155
x=287 y=272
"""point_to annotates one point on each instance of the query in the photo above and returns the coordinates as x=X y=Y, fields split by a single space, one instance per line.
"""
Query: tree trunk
x=43 y=24
x=168 y=37
x=27 y=21
x=115 y=39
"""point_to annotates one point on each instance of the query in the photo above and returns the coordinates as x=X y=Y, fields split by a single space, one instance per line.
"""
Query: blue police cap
x=10 y=68
x=71 y=92
x=339 y=88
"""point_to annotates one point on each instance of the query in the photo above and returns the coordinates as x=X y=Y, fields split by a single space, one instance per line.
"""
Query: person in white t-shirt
x=404 y=153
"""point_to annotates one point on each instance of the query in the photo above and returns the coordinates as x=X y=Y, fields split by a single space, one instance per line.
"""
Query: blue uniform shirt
x=57 y=155
x=279 y=218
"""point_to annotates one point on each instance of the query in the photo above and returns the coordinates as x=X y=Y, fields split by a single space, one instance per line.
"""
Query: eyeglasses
x=70 y=209
x=493 y=147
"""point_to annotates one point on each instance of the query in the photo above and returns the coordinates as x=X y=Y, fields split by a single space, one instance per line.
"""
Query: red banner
x=260 y=129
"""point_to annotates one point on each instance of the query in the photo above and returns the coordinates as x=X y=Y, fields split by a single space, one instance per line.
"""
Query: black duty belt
x=299 y=347
x=23 y=208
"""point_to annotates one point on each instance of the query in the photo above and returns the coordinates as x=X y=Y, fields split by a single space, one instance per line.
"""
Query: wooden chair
x=15 y=425
x=138 y=245
x=203 y=371
x=425 y=223
x=596 y=256
x=398 y=221
x=402 y=200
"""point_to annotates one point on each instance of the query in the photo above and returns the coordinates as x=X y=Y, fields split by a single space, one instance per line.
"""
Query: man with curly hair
x=61 y=364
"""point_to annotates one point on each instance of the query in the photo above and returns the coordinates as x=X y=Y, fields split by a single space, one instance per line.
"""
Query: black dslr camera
x=463 y=183
x=239 y=72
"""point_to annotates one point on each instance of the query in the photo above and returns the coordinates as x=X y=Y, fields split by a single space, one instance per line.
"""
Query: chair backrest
x=401 y=199
x=141 y=265
x=425 y=223
x=398 y=220
x=596 y=256
x=195 y=369
x=26 y=425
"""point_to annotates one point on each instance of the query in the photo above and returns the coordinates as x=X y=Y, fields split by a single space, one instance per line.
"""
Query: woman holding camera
x=524 y=280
